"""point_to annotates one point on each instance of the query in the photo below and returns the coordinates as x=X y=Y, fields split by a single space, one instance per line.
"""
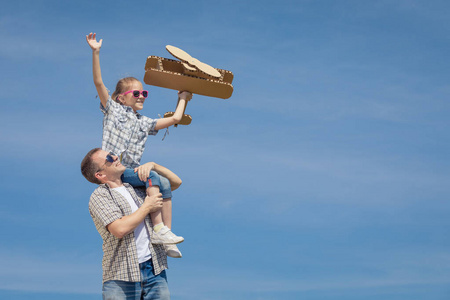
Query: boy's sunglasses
x=137 y=93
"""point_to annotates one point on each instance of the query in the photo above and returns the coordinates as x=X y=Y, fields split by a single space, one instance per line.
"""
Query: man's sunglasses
x=109 y=158
x=137 y=93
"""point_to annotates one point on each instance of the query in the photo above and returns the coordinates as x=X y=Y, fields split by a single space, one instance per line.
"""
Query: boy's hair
x=89 y=167
x=122 y=85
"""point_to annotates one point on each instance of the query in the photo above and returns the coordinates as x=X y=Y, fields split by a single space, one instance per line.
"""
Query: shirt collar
x=106 y=186
x=129 y=109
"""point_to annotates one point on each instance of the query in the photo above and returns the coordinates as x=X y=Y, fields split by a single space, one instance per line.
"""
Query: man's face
x=108 y=171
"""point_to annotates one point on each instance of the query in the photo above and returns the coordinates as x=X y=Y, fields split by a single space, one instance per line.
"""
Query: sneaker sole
x=160 y=242
x=174 y=254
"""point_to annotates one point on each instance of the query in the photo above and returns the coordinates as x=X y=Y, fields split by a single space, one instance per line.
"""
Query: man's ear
x=100 y=176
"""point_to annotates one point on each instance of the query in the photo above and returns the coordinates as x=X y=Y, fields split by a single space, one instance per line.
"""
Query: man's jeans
x=151 y=288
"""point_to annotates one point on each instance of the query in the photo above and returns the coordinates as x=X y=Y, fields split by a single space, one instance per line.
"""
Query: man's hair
x=89 y=167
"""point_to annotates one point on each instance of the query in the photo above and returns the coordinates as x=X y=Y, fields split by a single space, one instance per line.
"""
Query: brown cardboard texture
x=188 y=74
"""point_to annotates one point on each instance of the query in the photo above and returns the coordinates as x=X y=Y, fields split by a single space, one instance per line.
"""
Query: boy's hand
x=185 y=95
x=144 y=170
x=95 y=46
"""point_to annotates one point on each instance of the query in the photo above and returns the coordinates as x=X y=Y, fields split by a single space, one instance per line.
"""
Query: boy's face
x=129 y=100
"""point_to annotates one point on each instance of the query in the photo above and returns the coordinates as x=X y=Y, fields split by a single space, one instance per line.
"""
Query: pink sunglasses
x=137 y=93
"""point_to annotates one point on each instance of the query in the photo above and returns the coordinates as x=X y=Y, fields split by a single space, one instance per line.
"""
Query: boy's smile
x=129 y=100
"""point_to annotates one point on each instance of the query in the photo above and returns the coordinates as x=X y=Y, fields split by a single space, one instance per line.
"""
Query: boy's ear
x=120 y=98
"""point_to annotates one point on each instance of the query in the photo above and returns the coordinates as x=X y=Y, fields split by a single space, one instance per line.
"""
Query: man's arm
x=144 y=171
x=123 y=226
x=174 y=180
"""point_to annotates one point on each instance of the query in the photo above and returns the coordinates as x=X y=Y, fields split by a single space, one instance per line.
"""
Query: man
x=133 y=268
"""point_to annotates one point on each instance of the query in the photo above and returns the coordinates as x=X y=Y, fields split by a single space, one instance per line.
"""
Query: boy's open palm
x=92 y=41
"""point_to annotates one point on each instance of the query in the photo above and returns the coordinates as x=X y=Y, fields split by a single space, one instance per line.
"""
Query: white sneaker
x=165 y=236
x=172 y=251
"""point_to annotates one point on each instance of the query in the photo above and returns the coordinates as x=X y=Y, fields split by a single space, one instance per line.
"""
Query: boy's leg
x=162 y=234
x=129 y=176
x=156 y=216
x=152 y=184
x=166 y=212
x=166 y=191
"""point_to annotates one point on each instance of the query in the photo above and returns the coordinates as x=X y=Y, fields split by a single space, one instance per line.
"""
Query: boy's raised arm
x=96 y=71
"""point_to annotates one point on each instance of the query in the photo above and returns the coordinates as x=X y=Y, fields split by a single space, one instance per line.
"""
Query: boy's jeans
x=129 y=176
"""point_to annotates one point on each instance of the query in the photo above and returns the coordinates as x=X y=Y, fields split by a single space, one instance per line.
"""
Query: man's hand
x=144 y=170
x=123 y=226
x=91 y=40
x=155 y=202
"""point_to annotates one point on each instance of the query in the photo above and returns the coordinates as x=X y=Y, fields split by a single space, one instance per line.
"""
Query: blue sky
x=324 y=176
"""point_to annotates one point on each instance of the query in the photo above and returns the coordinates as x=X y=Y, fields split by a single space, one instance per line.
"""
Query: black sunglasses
x=109 y=158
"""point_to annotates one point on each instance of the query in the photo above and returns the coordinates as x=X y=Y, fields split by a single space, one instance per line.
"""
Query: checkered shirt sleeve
x=120 y=260
x=125 y=132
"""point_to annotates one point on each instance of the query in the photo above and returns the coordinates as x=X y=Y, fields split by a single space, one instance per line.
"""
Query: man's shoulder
x=102 y=191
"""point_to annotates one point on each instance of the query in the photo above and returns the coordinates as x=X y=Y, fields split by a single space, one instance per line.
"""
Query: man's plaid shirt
x=125 y=132
x=120 y=260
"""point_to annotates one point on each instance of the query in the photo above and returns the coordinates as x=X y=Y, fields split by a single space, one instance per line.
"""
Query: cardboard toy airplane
x=187 y=74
